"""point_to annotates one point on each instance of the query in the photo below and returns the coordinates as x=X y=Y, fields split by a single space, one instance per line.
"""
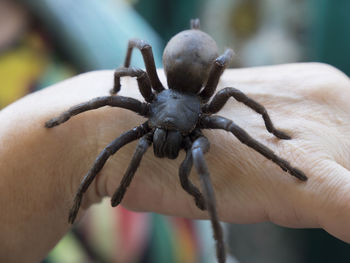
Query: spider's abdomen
x=187 y=60
x=172 y=116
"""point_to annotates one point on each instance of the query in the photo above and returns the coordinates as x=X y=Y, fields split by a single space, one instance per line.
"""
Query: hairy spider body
x=173 y=110
x=176 y=117
x=189 y=54
x=173 y=115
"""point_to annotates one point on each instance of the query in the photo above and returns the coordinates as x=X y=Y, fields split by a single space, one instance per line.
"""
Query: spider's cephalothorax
x=173 y=115
x=176 y=117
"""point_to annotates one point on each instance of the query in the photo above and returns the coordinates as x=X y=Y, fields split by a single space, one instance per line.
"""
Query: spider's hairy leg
x=147 y=54
x=142 y=81
x=141 y=148
x=218 y=122
x=199 y=147
x=218 y=67
x=113 y=101
x=100 y=161
x=195 y=23
x=184 y=172
x=222 y=97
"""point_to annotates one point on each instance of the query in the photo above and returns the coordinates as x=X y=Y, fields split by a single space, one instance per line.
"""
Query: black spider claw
x=73 y=212
x=298 y=174
x=200 y=203
x=292 y=171
x=72 y=216
x=117 y=198
x=113 y=91
x=221 y=254
x=58 y=120
x=281 y=135
x=51 y=123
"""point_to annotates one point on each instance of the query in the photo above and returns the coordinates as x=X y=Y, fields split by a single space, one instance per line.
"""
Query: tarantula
x=176 y=117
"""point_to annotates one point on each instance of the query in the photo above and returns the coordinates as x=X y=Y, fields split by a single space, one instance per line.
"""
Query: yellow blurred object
x=245 y=19
x=20 y=68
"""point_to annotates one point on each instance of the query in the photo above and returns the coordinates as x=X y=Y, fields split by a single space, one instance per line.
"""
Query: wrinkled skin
x=41 y=169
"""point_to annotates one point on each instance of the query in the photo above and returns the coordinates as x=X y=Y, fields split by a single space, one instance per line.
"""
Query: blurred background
x=45 y=41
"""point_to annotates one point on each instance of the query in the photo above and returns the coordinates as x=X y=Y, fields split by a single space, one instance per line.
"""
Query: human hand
x=42 y=168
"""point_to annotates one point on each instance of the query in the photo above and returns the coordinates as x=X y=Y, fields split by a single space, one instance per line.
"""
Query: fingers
x=331 y=190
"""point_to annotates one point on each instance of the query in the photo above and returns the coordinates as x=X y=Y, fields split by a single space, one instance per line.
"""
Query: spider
x=176 y=117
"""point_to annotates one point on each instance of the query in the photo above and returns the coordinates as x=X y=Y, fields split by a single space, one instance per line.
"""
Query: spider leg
x=142 y=81
x=113 y=101
x=141 y=148
x=100 y=161
x=147 y=54
x=187 y=185
x=218 y=122
x=223 y=95
x=218 y=67
x=199 y=147
x=195 y=23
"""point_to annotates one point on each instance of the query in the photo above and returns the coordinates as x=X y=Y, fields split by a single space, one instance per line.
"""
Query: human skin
x=41 y=168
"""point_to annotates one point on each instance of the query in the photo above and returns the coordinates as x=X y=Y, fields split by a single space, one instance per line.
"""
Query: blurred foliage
x=169 y=17
x=331 y=39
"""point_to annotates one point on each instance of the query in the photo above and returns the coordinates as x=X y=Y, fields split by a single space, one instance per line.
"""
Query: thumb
x=331 y=188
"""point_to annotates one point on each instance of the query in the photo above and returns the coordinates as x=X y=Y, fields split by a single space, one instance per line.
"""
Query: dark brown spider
x=176 y=117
